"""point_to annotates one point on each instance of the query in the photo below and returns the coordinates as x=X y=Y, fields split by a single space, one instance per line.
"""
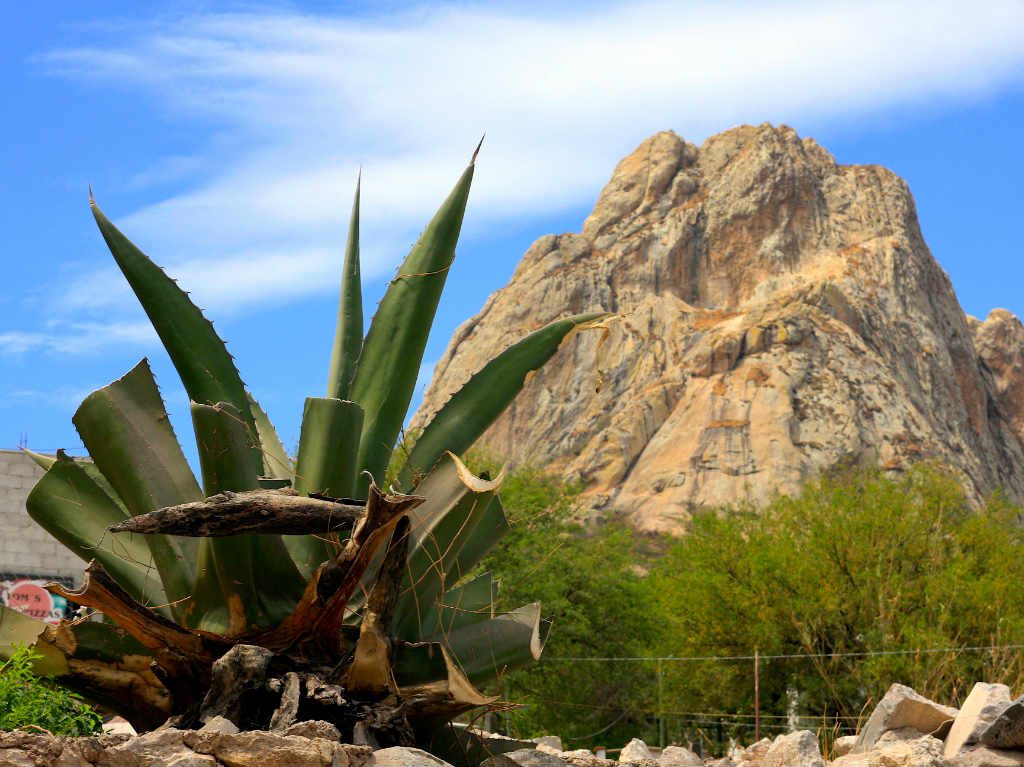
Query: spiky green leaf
x=277 y=464
x=76 y=509
x=328 y=447
x=17 y=630
x=199 y=355
x=326 y=464
x=487 y=649
x=41 y=460
x=464 y=417
x=393 y=350
x=129 y=437
x=463 y=605
x=459 y=513
x=348 y=338
x=246 y=581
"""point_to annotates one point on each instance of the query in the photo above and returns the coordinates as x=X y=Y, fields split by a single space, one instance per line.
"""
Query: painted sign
x=29 y=597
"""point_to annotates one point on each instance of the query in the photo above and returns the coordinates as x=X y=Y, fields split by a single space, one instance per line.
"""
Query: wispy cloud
x=75 y=337
x=562 y=94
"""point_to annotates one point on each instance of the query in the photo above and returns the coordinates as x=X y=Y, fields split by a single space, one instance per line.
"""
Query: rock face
x=775 y=314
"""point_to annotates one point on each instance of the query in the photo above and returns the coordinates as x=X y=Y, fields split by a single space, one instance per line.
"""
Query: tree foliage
x=859 y=564
x=864 y=576
x=596 y=598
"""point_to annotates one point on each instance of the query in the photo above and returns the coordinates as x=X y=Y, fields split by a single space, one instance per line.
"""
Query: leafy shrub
x=590 y=587
x=862 y=565
x=27 y=700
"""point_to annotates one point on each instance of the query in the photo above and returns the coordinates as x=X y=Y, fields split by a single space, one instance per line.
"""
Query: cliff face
x=777 y=314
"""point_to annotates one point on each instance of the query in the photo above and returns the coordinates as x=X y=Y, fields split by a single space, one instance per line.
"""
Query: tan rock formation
x=777 y=313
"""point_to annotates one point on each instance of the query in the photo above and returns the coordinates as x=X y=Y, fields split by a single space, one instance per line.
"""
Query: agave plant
x=274 y=590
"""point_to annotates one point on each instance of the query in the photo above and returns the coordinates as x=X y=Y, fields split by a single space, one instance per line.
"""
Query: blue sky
x=224 y=138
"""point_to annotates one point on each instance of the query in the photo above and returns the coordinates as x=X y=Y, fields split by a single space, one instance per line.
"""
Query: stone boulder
x=920 y=751
x=843 y=745
x=1007 y=731
x=794 y=749
x=526 y=757
x=581 y=757
x=753 y=753
x=981 y=709
x=635 y=751
x=982 y=756
x=399 y=756
x=678 y=756
x=902 y=707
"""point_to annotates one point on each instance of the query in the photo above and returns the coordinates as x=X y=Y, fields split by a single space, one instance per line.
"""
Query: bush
x=27 y=700
x=590 y=587
x=859 y=564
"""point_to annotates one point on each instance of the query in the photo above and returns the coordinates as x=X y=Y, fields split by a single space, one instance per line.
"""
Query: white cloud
x=562 y=94
x=76 y=337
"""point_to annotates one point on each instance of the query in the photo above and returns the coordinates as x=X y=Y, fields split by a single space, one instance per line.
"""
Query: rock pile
x=904 y=730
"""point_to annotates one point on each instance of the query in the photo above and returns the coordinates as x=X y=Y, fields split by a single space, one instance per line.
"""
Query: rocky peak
x=777 y=313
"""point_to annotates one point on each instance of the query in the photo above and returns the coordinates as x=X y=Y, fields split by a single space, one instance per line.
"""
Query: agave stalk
x=369 y=599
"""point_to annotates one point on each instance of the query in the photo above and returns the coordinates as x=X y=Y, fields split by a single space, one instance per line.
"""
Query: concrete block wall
x=25 y=548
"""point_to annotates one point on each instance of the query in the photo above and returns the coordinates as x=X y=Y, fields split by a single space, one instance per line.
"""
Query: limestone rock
x=399 y=756
x=753 y=753
x=982 y=707
x=530 y=757
x=902 y=707
x=16 y=757
x=921 y=751
x=1007 y=731
x=581 y=757
x=777 y=314
x=843 y=745
x=794 y=749
x=193 y=760
x=265 y=749
x=314 y=728
x=549 y=741
x=151 y=749
x=40 y=746
x=678 y=756
x=635 y=751
x=982 y=756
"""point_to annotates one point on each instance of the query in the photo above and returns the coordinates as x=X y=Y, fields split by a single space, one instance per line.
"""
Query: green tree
x=859 y=564
x=596 y=597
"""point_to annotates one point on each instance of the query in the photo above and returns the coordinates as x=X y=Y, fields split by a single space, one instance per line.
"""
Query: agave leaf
x=76 y=508
x=126 y=429
x=328 y=447
x=326 y=464
x=463 y=605
x=427 y=668
x=229 y=457
x=393 y=349
x=200 y=356
x=41 y=460
x=18 y=630
x=276 y=462
x=455 y=515
x=348 y=338
x=486 y=649
x=256 y=584
x=462 y=746
x=463 y=418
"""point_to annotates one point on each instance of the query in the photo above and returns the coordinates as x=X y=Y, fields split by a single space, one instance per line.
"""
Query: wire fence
x=710 y=731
